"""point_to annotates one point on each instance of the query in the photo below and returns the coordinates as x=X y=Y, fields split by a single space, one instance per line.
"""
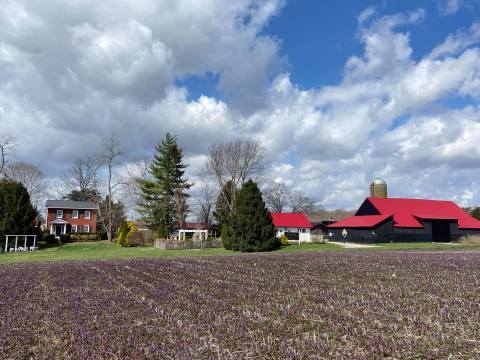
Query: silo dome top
x=379 y=181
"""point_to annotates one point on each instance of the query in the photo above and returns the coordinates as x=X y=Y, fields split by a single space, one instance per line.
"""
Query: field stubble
x=319 y=305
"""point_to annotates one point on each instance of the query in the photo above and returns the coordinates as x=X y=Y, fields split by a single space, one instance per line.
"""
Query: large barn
x=394 y=219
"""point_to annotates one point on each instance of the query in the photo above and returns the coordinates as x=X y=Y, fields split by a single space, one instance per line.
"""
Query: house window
x=86 y=228
x=59 y=214
x=74 y=228
x=74 y=214
x=87 y=214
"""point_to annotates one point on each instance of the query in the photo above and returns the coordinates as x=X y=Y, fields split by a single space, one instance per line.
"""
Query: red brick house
x=67 y=216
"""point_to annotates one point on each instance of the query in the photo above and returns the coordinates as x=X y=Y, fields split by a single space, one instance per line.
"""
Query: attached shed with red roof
x=393 y=219
x=295 y=226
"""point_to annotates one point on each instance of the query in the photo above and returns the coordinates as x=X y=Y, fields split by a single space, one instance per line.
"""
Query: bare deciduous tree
x=6 y=144
x=236 y=161
x=80 y=180
x=299 y=202
x=135 y=172
x=109 y=158
x=276 y=197
x=205 y=203
x=31 y=177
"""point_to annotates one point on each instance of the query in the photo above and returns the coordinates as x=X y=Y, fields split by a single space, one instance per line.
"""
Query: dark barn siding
x=386 y=232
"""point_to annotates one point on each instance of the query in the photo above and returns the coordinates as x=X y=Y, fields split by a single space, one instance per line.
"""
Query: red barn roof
x=366 y=221
x=296 y=220
x=408 y=213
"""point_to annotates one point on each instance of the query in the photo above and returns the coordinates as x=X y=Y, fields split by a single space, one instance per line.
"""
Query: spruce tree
x=250 y=228
x=160 y=195
x=222 y=208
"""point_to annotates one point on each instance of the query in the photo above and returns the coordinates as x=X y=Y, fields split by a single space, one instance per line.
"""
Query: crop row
x=323 y=305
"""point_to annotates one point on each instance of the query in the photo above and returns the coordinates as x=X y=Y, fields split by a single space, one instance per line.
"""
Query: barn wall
x=380 y=233
x=367 y=209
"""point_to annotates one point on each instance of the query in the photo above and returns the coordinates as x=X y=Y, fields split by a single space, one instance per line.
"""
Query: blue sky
x=338 y=92
x=317 y=37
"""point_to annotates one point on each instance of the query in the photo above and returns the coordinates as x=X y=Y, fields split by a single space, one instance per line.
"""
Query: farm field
x=363 y=304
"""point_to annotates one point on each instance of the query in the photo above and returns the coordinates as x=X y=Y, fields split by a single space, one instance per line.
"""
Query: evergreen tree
x=17 y=214
x=161 y=196
x=222 y=209
x=475 y=212
x=251 y=228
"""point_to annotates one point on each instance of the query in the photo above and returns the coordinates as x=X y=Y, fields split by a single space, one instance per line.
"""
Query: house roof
x=297 y=220
x=409 y=213
x=195 y=226
x=366 y=221
x=70 y=204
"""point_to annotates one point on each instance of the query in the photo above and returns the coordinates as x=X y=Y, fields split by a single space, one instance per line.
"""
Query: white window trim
x=74 y=228
x=73 y=212
x=86 y=227
x=85 y=214
x=59 y=211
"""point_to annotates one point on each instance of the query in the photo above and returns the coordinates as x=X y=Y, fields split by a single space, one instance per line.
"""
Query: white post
x=16 y=240
x=51 y=229
x=34 y=241
x=25 y=243
x=6 y=242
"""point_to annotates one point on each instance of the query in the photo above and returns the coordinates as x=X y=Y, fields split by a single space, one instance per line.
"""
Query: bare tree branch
x=31 y=177
x=109 y=158
x=299 y=202
x=81 y=178
x=6 y=144
x=276 y=197
x=236 y=161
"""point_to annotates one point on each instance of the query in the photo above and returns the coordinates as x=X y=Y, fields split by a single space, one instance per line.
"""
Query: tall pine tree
x=167 y=188
x=222 y=208
x=250 y=227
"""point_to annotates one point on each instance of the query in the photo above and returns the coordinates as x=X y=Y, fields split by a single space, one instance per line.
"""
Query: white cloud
x=449 y=7
x=93 y=70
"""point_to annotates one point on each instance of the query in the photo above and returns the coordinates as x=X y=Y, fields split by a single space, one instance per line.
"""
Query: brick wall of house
x=67 y=216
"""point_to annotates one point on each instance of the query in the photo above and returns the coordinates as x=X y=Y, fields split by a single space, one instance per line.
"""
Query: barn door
x=441 y=231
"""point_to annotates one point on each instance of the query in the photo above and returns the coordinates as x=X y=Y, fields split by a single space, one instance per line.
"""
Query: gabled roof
x=297 y=220
x=409 y=213
x=366 y=221
x=70 y=204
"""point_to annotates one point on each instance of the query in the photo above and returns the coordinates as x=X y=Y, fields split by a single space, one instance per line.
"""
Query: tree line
x=228 y=194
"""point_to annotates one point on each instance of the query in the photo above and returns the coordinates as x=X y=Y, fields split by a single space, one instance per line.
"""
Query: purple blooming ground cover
x=318 y=305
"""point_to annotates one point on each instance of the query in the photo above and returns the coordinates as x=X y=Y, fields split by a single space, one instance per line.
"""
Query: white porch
x=303 y=233
x=58 y=227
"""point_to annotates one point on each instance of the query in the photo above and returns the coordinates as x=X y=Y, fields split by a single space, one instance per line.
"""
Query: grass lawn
x=107 y=251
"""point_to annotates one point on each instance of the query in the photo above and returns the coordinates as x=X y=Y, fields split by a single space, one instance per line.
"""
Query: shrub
x=284 y=240
x=122 y=234
x=470 y=240
x=65 y=238
x=83 y=237
x=49 y=239
x=137 y=238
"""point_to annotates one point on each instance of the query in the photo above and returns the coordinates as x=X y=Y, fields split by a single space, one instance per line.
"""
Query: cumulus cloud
x=65 y=80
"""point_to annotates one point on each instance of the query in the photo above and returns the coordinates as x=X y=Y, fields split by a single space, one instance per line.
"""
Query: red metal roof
x=297 y=220
x=366 y=221
x=408 y=213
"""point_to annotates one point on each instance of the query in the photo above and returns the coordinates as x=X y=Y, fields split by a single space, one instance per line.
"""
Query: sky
x=339 y=92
